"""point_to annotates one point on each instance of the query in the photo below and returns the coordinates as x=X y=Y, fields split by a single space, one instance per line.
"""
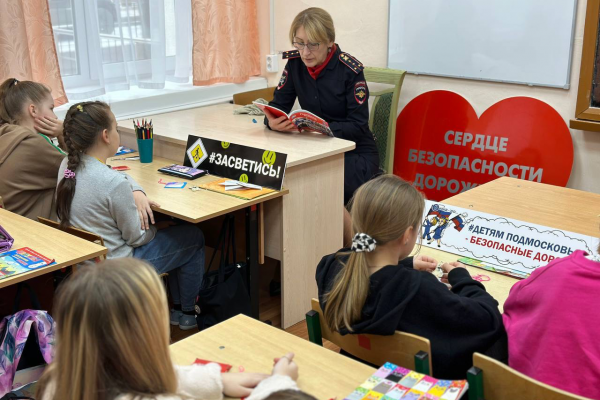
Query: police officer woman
x=330 y=84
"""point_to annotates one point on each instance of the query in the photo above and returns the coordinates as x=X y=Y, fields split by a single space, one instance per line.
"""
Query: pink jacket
x=552 y=320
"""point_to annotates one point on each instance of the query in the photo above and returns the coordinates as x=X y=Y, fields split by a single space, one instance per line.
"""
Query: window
x=107 y=45
x=587 y=109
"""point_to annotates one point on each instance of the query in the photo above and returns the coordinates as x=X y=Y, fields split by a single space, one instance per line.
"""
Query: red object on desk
x=224 y=367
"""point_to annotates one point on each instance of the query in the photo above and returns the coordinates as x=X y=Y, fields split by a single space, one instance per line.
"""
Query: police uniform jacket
x=339 y=95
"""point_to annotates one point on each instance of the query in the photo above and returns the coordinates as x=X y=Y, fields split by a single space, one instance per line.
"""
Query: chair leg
x=422 y=362
x=475 y=380
x=314 y=327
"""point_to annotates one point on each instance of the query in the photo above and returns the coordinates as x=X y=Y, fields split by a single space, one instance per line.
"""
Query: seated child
x=550 y=319
x=29 y=161
x=94 y=197
x=113 y=343
x=365 y=289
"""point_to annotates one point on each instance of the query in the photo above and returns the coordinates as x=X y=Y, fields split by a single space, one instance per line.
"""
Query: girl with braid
x=92 y=196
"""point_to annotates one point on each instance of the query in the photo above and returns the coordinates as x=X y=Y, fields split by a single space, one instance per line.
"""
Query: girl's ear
x=105 y=136
x=32 y=110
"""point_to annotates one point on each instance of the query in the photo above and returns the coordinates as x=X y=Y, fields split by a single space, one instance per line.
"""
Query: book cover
x=392 y=382
x=304 y=120
x=22 y=260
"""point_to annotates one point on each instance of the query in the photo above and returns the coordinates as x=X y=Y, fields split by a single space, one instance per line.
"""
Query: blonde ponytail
x=349 y=293
x=383 y=208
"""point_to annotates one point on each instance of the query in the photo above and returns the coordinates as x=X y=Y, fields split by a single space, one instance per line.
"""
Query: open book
x=304 y=120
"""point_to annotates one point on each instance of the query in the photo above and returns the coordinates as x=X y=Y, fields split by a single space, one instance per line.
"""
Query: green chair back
x=382 y=118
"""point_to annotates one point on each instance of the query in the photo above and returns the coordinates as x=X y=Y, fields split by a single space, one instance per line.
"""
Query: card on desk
x=224 y=367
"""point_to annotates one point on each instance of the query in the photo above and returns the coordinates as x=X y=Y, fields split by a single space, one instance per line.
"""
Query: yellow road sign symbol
x=197 y=153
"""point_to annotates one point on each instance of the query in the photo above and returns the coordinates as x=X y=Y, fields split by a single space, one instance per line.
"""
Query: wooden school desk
x=65 y=249
x=300 y=228
x=200 y=206
x=242 y=341
x=552 y=206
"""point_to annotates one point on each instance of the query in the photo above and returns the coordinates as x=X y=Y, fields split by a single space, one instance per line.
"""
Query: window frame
x=111 y=70
x=588 y=117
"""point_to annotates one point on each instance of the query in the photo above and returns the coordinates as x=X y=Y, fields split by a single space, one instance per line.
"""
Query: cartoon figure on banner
x=427 y=225
x=439 y=231
x=437 y=220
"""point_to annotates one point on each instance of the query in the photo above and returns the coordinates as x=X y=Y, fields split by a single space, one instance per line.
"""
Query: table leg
x=302 y=227
x=252 y=258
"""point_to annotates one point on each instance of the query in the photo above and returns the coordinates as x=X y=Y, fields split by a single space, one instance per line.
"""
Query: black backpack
x=224 y=291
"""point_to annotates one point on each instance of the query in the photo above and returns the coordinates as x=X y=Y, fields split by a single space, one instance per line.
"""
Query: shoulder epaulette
x=291 y=54
x=351 y=62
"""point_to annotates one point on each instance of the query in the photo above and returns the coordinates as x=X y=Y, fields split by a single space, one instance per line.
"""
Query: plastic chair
x=489 y=379
x=248 y=97
x=403 y=349
x=383 y=115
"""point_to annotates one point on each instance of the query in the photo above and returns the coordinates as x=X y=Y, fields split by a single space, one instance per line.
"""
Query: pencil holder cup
x=146 y=149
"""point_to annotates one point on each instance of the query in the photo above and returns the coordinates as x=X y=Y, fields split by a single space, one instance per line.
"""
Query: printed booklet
x=22 y=260
x=304 y=120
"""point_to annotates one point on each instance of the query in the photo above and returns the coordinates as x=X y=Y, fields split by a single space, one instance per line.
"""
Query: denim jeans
x=178 y=250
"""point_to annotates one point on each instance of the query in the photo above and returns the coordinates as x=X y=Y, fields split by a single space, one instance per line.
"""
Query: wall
x=361 y=30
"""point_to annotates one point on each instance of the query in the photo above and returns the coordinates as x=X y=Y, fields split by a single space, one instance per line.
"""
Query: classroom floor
x=270 y=310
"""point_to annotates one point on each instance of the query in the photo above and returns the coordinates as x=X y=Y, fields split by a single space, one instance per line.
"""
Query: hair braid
x=83 y=124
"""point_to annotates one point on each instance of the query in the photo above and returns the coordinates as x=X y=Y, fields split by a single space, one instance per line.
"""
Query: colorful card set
x=392 y=382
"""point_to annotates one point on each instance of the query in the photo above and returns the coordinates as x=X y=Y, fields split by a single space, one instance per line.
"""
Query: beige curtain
x=226 y=45
x=27 y=49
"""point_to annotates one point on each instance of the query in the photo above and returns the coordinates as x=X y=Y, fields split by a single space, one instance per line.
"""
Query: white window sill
x=135 y=102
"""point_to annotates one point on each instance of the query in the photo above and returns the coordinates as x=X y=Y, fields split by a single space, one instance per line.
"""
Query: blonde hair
x=316 y=22
x=384 y=208
x=113 y=335
x=15 y=94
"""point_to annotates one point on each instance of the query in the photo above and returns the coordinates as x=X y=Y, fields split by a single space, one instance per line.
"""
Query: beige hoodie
x=29 y=165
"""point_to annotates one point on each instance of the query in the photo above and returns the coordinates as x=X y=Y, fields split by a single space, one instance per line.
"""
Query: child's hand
x=52 y=127
x=424 y=263
x=447 y=267
x=143 y=204
x=286 y=366
x=240 y=384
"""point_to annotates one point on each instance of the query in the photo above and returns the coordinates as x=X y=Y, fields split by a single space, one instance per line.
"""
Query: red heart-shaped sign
x=444 y=148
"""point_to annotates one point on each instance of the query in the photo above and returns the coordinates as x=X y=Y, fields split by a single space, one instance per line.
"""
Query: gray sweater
x=104 y=204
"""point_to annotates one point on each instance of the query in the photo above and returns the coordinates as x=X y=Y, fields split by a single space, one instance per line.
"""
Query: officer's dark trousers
x=358 y=169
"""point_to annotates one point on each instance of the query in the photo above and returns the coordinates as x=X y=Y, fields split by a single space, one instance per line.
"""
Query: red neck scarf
x=315 y=71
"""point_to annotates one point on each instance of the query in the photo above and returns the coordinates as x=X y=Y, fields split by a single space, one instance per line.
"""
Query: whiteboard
x=515 y=41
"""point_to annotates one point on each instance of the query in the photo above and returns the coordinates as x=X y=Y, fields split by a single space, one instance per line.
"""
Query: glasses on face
x=311 y=46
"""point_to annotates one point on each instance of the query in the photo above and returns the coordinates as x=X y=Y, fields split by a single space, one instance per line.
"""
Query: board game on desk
x=392 y=382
